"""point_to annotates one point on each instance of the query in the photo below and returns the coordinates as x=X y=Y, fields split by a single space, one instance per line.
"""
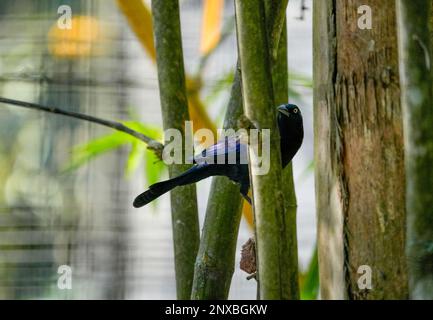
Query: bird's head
x=291 y=129
x=290 y=110
x=289 y=116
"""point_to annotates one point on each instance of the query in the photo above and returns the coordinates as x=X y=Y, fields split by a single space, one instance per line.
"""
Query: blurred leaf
x=310 y=279
x=83 y=39
x=219 y=86
x=211 y=25
x=296 y=81
x=146 y=129
x=153 y=168
x=300 y=80
x=227 y=30
x=134 y=157
x=293 y=94
x=139 y=18
x=306 y=172
x=82 y=154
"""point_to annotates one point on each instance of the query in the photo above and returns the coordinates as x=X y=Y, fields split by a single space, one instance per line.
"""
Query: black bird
x=291 y=133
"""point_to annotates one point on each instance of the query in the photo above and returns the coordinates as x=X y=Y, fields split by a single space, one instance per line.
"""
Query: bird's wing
x=227 y=149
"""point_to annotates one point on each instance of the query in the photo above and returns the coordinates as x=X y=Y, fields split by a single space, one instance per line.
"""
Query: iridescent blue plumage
x=229 y=157
x=228 y=150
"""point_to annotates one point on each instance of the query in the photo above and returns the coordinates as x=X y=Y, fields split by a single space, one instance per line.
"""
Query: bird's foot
x=246 y=123
x=252 y=276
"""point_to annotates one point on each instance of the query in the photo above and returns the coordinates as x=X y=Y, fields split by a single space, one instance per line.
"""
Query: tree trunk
x=174 y=107
x=360 y=187
x=416 y=85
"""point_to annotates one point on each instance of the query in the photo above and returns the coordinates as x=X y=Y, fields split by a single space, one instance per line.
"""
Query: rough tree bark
x=273 y=262
x=359 y=151
x=174 y=107
x=417 y=93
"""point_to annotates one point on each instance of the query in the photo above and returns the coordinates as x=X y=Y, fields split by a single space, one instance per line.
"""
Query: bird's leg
x=252 y=276
x=245 y=123
x=246 y=197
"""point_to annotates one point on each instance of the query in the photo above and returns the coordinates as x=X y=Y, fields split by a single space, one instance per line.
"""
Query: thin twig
x=152 y=144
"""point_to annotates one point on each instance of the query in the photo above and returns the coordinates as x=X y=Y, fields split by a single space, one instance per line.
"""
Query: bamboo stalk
x=215 y=260
x=289 y=245
x=275 y=17
x=259 y=107
x=174 y=106
x=417 y=97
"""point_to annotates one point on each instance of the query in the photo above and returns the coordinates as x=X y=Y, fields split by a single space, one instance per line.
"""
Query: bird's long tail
x=156 y=190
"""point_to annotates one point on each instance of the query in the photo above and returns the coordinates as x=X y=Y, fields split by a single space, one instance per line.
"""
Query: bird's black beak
x=284 y=111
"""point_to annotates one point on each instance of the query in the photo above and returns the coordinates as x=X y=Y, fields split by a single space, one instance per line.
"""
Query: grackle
x=291 y=132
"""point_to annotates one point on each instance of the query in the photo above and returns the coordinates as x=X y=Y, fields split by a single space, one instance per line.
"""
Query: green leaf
x=134 y=157
x=153 y=168
x=146 y=129
x=82 y=154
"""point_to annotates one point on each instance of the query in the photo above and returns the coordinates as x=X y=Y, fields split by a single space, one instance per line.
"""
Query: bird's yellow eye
x=295 y=110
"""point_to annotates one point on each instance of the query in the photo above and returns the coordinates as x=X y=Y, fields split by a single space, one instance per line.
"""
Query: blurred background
x=66 y=186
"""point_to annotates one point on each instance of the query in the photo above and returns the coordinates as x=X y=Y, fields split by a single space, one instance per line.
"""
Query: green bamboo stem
x=289 y=245
x=417 y=98
x=267 y=189
x=276 y=17
x=215 y=260
x=174 y=106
